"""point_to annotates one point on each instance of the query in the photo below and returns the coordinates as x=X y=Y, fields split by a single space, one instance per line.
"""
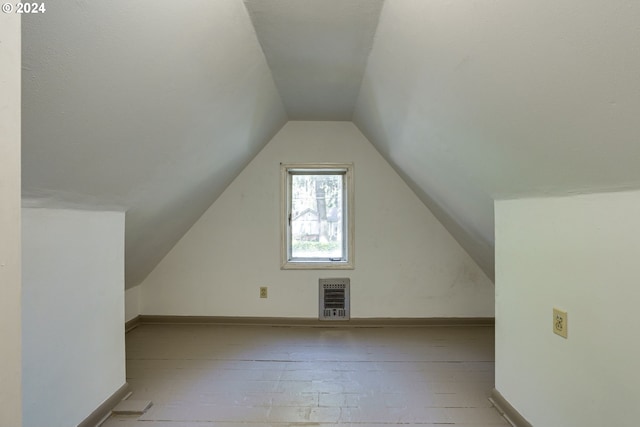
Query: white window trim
x=285 y=203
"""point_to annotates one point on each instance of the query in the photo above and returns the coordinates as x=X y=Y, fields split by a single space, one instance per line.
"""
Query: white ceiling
x=475 y=101
x=153 y=107
x=317 y=52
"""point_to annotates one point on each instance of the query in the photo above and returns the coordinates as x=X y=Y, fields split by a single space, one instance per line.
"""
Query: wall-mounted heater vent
x=334 y=299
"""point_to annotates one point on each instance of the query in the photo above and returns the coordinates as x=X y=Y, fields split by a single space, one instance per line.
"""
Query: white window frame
x=289 y=263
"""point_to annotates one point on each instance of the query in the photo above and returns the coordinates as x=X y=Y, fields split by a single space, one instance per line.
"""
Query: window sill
x=320 y=265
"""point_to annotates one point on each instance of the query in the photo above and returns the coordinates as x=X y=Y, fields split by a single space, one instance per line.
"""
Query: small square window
x=317 y=216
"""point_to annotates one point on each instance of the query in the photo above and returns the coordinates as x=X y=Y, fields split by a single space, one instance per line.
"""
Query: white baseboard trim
x=132 y=324
x=102 y=412
x=309 y=321
x=508 y=411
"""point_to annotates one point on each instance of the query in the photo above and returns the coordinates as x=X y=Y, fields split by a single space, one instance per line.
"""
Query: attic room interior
x=485 y=220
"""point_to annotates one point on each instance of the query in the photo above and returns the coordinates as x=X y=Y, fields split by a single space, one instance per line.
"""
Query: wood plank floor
x=255 y=376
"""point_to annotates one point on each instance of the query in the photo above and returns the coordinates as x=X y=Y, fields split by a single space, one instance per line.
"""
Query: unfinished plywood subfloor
x=230 y=376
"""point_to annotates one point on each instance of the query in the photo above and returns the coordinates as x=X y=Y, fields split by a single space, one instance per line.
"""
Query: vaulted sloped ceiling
x=317 y=52
x=153 y=107
x=475 y=101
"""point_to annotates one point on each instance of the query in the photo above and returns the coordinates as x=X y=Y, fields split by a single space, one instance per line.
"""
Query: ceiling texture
x=154 y=107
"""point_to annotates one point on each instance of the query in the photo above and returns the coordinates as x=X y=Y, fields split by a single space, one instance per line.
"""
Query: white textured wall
x=72 y=311
x=407 y=265
x=10 y=347
x=131 y=303
x=580 y=254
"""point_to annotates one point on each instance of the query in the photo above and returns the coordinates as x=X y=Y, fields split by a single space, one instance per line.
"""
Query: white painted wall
x=72 y=311
x=580 y=254
x=10 y=324
x=407 y=264
x=131 y=303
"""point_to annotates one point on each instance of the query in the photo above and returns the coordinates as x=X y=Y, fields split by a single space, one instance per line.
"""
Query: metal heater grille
x=334 y=299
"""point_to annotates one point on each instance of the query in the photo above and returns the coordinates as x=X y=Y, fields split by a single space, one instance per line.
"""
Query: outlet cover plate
x=560 y=322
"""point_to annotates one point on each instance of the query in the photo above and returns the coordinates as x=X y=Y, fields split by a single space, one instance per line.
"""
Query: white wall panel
x=72 y=312
x=406 y=263
x=10 y=369
x=579 y=254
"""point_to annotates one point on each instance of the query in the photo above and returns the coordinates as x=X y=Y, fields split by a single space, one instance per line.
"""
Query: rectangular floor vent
x=334 y=299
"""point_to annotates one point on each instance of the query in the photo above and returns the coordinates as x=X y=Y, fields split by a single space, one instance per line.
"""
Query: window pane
x=316 y=216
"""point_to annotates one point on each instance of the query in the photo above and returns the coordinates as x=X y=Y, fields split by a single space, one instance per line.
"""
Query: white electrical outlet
x=263 y=292
x=560 y=322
